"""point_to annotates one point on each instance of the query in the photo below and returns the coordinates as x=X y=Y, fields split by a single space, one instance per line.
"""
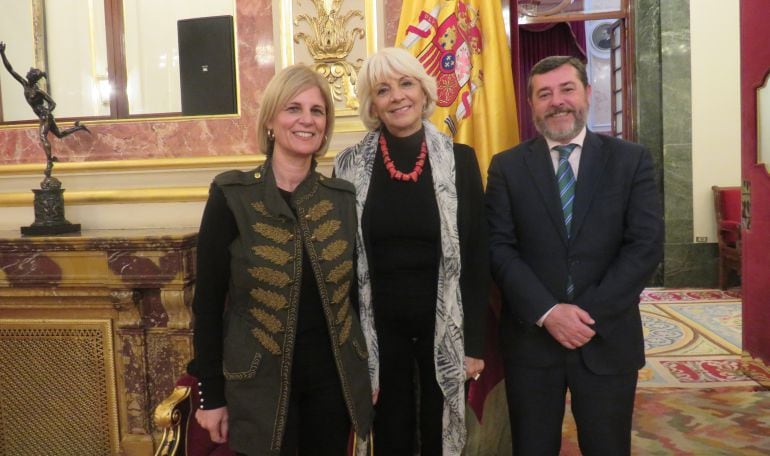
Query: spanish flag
x=462 y=43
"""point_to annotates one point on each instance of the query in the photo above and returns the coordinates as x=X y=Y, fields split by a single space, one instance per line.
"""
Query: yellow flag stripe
x=468 y=36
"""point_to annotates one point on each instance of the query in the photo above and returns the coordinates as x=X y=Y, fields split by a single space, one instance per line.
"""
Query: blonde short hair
x=285 y=85
x=387 y=63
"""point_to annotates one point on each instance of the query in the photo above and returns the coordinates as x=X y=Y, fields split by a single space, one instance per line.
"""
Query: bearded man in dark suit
x=575 y=234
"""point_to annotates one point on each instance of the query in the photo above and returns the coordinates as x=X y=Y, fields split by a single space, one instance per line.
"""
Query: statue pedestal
x=49 y=211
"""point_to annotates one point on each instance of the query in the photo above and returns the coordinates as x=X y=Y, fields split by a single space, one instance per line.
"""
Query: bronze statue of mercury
x=43 y=105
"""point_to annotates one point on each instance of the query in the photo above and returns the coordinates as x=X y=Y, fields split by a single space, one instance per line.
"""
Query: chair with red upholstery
x=727 y=205
x=182 y=435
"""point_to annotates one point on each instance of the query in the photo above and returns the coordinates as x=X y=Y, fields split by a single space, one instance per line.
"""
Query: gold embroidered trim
x=360 y=351
x=259 y=206
x=319 y=210
x=334 y=250
x=345 y=331
x=342 y=312
x=326 y=229
x=273 y=233
x=244 y=375
x=271 y=299
x=272 y=254
x=270 y=322
x=275 y=278
x=341 y=292
x=266 y=341
x=339 y=271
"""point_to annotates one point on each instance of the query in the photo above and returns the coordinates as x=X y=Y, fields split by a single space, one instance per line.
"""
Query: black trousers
x=405 y=339
x=601 y=404
x=318 y=422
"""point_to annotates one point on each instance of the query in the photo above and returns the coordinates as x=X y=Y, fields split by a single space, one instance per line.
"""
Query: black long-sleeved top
x=401 y=232
x=401 y=228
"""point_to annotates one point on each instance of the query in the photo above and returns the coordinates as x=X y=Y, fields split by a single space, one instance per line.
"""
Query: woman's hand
x=375 y=396
x=473 y=367
x=214 y=421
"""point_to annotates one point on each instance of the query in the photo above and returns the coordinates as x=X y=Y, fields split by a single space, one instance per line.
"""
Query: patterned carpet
x=692 y=339
x=693 y=397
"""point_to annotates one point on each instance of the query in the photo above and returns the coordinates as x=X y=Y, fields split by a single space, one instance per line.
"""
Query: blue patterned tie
x=566 y=179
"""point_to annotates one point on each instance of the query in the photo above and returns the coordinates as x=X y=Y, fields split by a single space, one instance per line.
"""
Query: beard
x=564 y=134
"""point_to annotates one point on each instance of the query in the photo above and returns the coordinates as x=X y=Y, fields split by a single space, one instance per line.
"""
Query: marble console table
x=94 y=330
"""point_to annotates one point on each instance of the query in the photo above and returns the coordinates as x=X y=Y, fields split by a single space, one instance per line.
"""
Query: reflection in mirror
x=76 y=63
x=763 y=123
x=152 y=53
x=94 y=68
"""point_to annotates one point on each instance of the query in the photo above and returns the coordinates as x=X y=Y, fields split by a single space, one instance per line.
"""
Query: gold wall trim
x=230 y=161
x=26 y=124
x=235 y=161
x=134 y=195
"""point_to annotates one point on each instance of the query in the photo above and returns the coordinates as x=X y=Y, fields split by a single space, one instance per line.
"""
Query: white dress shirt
x=574 y=161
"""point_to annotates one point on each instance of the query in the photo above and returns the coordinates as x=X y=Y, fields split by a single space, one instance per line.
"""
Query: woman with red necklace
x=422 y=259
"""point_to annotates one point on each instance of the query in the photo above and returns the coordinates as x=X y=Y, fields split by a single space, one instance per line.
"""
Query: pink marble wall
x=172 y=138
x=182 y=138
x=392 y=15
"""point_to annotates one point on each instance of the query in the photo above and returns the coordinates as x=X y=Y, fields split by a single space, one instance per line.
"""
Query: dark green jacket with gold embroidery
x=265 y=279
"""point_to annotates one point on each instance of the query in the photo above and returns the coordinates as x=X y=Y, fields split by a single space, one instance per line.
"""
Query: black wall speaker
x=207 y=65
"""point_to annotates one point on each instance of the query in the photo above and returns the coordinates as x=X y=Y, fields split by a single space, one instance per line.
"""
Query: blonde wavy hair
x=387 y=63
x=285 y=85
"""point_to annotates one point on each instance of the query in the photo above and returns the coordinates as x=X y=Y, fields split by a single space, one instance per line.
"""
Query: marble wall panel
x=686 y=263
x=690 y=265
x=677 y=178
x=648 y=77
x=392 y=15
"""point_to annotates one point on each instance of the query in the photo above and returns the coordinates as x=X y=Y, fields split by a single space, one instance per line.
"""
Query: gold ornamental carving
x=330 y=43
x=177 y=304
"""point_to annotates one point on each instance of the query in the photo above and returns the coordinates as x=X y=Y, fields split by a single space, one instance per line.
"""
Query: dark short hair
x=553 y=62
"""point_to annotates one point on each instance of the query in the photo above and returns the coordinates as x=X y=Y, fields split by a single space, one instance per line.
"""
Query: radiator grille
x=57 y=388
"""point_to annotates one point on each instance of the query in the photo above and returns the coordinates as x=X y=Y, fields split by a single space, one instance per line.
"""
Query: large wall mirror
x=112 y=59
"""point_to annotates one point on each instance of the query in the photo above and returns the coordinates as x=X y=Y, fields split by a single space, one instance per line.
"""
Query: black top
x=401 y=226
x=403 y=240
x=218 y=230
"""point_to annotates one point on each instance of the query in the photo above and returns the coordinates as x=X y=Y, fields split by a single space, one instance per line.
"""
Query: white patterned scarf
x=355 y=164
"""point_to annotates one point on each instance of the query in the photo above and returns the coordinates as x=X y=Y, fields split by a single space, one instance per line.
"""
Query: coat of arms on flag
x=448 y=57
x=462 y=43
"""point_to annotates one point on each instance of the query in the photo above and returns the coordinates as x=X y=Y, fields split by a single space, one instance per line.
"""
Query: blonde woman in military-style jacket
x=279 y=350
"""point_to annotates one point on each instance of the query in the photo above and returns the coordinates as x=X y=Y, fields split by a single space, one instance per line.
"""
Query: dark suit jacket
x=615 y=245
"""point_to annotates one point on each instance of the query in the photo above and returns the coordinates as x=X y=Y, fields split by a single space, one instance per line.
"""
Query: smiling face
x=300 y=125
x=398 y=101
x=559 y=102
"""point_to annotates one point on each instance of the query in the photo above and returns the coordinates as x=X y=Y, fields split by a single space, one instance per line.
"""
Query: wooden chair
x=727 y=206
x=182 y=435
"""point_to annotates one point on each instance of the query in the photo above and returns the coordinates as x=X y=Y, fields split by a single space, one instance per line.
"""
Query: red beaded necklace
x=391 y=167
